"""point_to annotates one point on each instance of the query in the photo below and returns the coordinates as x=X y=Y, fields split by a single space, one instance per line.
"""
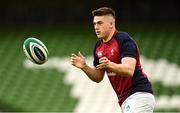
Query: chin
x=100 y=37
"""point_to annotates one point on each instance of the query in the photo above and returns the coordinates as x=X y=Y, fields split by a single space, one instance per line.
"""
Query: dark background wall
x=79 y=11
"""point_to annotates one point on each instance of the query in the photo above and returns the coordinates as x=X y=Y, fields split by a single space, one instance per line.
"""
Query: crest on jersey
x=100 y=53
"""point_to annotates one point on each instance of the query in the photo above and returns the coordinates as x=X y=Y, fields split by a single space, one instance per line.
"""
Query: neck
x=106 y=39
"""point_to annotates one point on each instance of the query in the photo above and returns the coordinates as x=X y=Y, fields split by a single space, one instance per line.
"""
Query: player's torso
x=111 y=51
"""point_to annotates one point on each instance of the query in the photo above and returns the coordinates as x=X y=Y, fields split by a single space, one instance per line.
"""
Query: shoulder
x=123 y=36
x=98 y=43
x=127 y=45
x=124 y=39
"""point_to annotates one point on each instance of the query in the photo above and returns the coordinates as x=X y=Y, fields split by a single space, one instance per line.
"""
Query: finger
x=74 y=55
x=104 y=61
x=100 y=66
x=104 y=64
x=72 y=62
x=74 y=58
x=79 y=54
x=103 y=58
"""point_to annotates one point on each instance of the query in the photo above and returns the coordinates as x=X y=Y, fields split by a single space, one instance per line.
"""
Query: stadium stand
x=23 y=89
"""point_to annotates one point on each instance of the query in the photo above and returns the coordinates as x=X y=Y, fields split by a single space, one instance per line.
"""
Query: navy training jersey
x=122 y=45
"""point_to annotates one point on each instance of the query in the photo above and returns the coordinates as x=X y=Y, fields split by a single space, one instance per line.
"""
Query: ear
x=111 y=25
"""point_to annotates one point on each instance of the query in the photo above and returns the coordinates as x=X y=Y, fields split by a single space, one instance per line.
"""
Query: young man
x=118 y=55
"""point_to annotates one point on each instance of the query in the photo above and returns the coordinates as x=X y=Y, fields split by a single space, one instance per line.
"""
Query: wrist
x=84 y=66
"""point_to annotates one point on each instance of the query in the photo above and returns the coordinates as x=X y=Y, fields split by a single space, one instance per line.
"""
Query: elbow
x=130 y=72
x=98 y=78
x=98 y=81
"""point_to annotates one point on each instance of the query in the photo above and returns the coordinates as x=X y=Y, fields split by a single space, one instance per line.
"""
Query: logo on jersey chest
x=100 y=54
x=111 y=74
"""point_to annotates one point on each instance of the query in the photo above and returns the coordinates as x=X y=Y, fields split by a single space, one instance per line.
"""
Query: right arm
x=94 y=74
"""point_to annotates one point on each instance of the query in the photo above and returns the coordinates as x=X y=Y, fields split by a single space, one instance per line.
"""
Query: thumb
x=79 y=53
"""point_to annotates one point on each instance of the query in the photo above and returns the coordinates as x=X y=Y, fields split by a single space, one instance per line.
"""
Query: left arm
x=126 y=68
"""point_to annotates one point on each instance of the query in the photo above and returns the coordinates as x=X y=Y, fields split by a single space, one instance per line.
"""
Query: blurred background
x=65 y=26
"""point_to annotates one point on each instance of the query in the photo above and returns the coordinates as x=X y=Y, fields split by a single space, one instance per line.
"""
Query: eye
x=100 y=22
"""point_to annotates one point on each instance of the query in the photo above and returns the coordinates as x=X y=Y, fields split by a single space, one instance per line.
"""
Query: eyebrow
x=98 y=22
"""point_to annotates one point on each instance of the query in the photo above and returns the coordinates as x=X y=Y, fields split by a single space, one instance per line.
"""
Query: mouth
x=98 y=32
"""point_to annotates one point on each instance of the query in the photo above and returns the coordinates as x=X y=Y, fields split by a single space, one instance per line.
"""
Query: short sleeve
x=128 y=49
x=127 y=46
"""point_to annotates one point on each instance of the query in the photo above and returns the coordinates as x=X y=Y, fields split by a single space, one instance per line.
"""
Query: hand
x=78 y=60
x=104 y=63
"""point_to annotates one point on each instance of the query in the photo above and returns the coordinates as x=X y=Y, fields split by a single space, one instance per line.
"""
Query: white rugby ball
x=35 y=50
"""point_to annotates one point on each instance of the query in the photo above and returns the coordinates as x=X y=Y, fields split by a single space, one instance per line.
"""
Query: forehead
x=99 y=18
x=102 y=18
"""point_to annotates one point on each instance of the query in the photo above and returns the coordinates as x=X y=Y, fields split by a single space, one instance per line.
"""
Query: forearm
x=94 y=74
x=121 y=69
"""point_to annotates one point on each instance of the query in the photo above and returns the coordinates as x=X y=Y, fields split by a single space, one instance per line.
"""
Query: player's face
x=102 y=26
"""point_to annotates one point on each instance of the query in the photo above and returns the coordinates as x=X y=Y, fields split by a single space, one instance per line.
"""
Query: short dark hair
x=103 y=11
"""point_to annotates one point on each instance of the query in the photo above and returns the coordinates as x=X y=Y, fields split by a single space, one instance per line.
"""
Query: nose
x=96 y=27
